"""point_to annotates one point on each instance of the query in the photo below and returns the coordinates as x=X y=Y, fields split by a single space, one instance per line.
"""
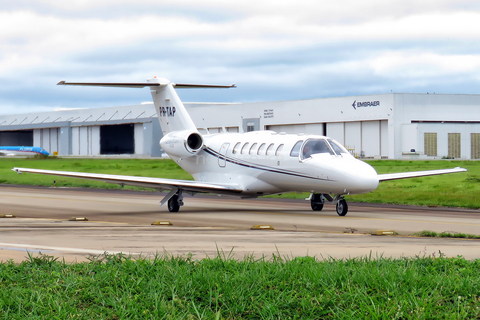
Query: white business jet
x=246 y=165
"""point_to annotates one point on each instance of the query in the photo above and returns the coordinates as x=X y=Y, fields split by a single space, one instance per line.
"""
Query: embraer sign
x=356 y=104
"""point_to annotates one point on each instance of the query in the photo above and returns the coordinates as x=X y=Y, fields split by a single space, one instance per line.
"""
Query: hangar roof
x=427 y=106
x=78 y=117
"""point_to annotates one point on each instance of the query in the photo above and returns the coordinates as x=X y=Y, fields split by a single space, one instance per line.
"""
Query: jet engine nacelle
x=182 y=144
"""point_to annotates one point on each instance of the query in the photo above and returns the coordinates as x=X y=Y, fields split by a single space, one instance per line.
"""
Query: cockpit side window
x=314 y=146
x=296 y=149
x=336 y=147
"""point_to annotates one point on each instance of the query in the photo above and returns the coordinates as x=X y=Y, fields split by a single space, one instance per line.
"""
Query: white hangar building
x=393 y=126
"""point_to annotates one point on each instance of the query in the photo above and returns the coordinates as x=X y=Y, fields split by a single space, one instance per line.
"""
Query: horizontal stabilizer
x=203 y=86
x=414 y=174
x=142 y=85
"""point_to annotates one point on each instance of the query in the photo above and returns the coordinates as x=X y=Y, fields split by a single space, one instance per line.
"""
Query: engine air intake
x=194 y=141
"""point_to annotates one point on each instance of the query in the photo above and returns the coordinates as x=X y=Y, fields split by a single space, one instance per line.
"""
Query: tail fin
x=170 y=110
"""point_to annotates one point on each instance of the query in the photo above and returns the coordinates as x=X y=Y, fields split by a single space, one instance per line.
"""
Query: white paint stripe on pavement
x=61 y=249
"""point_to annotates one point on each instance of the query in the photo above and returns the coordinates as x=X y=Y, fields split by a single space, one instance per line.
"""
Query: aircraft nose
x=363 y=177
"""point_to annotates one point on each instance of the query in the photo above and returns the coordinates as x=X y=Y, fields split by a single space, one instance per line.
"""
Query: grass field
x=453 y=190
x=118 y=287
x=161 y=168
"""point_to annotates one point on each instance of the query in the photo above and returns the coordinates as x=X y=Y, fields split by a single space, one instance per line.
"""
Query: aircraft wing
x=413 y=174
x=145 y=182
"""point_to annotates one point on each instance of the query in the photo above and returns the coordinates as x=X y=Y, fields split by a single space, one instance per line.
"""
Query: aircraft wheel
x=317 y=206
x=173 y=205
x=316 y=202
x=342 y=207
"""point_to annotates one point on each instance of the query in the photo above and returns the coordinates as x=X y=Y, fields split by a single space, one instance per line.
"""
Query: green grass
x=118 y=287
x=453 y=190
x=446 y=234
x=134 y=167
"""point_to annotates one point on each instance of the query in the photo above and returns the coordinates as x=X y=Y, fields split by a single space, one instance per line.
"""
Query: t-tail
x=170 y=110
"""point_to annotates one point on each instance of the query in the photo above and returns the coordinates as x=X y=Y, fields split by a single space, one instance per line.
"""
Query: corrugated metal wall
x=47 y=139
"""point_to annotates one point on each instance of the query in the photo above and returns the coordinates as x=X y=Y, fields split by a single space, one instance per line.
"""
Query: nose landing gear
x=317 y=200
x=342 y=207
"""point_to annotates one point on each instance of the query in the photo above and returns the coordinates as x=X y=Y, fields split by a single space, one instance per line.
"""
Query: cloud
x=273 y=50
x=424 y=65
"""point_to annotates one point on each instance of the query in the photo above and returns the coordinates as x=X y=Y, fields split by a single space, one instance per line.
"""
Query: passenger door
x=222 y=162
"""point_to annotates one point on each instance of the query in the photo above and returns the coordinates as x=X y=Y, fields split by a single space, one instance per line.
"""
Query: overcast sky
x=273 y=50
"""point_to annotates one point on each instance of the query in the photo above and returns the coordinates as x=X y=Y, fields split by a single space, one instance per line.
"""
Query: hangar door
x=475 y=145
x=117 y=139
x=16 y=138
x=367 y=139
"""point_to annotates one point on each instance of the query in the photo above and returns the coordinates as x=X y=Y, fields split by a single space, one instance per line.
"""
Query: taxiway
x=120 y=221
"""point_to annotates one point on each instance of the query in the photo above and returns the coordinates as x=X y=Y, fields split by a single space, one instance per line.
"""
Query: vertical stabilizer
x=170 y=110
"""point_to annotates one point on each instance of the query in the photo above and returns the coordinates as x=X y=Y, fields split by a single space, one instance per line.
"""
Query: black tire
x=173 y=205
x=317 y=206
x=316 y=202
x=342 y=207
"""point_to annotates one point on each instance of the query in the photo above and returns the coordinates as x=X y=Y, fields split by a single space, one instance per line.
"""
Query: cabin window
x=315 y=146
x=296 y=149
x=270 y=149
x=252 y=148
x=279 y=149
x=245 y=148
x=261 y=149
x=236 y=148
x=336 y=147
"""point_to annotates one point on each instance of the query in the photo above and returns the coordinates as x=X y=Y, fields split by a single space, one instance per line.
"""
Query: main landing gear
x=174 y=204
x=317 y=200
x=174 y=200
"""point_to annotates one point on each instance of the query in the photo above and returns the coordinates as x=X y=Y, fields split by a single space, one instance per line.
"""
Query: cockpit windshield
x=314 y=146
x=336 y=147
